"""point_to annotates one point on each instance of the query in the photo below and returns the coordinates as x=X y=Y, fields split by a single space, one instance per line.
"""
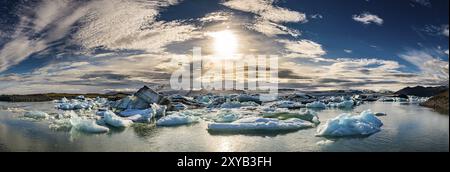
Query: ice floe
x=304 y=114
x=87 y=125
x=347 y=104
x=316 y=105
x=351 y=125
x=113 y=120
x=226 y=116
x=177 y=119
x=260 y=124
x=36 y=115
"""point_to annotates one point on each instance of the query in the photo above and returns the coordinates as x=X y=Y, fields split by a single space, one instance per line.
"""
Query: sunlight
x=225 y=45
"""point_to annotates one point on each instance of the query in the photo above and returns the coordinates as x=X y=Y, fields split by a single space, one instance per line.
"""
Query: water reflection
x=406 y=128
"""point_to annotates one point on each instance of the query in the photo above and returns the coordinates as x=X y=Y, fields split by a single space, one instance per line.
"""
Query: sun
x=226 y=45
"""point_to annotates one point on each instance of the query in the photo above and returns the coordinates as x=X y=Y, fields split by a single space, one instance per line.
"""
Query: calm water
x=407 y=128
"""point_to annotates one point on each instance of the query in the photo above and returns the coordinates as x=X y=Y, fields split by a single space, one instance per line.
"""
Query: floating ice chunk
x=15 y=110
x=325 y=142
x=116 y=121
x=347 y=104
x=177 y=119
x=289 y=105
x=36 y=115
x=140 y=118
x=179 y=107
x=87 y=125
x=226 y=116
x=133 y=112
x=81 y=97
x=316 y=105
x=236 y=104
x=351 y=125
x=160 y=110
x=304 y=114
x=260 y=124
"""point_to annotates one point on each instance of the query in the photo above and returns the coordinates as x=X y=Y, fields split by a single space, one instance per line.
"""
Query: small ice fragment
x=133 y=112
x=36 y=115
x=325 y=142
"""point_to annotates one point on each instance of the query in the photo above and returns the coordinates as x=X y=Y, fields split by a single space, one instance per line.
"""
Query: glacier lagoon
x=407 y=128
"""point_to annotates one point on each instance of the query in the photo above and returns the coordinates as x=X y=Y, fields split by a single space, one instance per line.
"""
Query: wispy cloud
x=368 y=18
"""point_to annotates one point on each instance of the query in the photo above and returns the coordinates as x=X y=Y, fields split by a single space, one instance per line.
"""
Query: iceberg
x=226 y=116
x=316 y=105
x=347 y=104
x=289 y=105
x=133 y=112
x=116 y=121
x=236 y=104
x=160 y=110
x=178 y=107
x=36 y=115
x=177 y=119
x=87 y=125
x=364 y=124
x=260 y=124
x=304 y=114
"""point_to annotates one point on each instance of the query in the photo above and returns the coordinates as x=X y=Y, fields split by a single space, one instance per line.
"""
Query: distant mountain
x=439 y=103
x=422 y=91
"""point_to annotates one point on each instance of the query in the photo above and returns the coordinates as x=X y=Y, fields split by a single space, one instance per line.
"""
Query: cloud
x=429 y=64
x=434 y=30
x=272 y=29
x=266 y=10
x=268 y=17
x=303 y=48
x=114 y=25
x=425 y=3
x=316 y=16
x=368 y=18
x=348 y=51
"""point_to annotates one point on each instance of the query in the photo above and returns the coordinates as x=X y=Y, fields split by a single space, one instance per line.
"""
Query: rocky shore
x=439 y=103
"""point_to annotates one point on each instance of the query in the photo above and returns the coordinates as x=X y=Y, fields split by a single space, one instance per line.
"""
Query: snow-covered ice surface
x=351 y=125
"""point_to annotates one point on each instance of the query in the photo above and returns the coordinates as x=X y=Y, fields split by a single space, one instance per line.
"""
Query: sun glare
x=225 y=45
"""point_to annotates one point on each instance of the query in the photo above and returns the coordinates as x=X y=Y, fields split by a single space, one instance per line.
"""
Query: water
x=408 y=128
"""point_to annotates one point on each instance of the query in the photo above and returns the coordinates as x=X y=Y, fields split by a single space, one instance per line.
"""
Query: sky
x=80 y=46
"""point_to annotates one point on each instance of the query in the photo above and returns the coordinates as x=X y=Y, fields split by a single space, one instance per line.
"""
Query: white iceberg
x=351 y=125
x=289 y=105
x=304 y=114
x=133 y=112
x=325 y=142
x=226 y=116
x=160 y=110
x=236 y=104
x=260 y=124
x=347 y=104
x=116 y=121
x=36 y=115
x=316 y=105
x=87 y=125
x=177 y=119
